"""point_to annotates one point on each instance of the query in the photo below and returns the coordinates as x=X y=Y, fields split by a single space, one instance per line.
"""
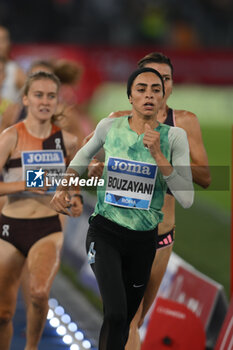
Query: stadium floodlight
x=72 y=327
x=59 y=310
x=54 y=322
x=74 y=347
x=86 y=344
x=66 y=328
x=79 y=335
x=61 y=330
x=67 y=339
x=53 y=303
x=66 y=318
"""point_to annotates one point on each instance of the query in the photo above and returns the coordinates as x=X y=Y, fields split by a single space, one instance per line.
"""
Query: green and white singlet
x=134 y=188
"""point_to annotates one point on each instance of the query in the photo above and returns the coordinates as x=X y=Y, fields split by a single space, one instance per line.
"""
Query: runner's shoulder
x=9 y=133
x=106 y=123
x=8 y=139
x=183 y=114
x=186 y=119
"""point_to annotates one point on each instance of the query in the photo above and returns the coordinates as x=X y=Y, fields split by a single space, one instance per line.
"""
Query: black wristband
x=78 y=195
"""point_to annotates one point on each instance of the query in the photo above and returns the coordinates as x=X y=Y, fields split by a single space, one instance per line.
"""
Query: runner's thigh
x=44 y=259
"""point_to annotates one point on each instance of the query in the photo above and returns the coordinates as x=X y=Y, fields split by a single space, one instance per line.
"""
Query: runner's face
x=42 y=99
x=146 y=94
x=165 y=70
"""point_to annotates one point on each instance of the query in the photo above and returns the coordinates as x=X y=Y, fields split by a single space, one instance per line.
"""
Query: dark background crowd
x=174 y=23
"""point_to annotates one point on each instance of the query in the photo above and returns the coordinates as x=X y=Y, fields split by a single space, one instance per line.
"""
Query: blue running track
x=50 y=340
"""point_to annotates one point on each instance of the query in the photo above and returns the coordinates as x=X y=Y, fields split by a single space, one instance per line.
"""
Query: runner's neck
x=37 y=129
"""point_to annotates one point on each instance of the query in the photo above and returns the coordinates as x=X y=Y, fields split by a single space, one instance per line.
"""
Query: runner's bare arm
x=71 y=144
x=199 y=161
x=20 y=78
x=8 y=139
x=10 y=115
x=72 y=199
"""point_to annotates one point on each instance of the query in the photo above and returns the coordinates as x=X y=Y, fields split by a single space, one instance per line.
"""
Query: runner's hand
x=76 y=208
x=95 y=168
x=61 y=202
x=151 y=140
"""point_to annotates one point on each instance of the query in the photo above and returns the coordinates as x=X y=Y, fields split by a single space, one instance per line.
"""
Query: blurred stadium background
x=107 y=38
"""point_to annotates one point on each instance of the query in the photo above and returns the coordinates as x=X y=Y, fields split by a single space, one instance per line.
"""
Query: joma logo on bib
x=44 y=157
x=131 y=167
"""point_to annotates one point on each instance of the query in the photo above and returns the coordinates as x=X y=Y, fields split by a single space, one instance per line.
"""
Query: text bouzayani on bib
x=130 y=183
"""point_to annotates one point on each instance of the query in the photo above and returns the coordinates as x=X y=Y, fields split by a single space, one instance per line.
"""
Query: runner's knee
x=39 y=297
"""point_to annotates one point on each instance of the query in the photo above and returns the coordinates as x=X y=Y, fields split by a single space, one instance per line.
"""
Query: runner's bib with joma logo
x=132 y=179
x=130 y=183
x=50 y=161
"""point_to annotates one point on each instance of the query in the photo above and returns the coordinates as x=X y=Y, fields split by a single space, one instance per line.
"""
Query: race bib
x=130 y=183
x=43 y=168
